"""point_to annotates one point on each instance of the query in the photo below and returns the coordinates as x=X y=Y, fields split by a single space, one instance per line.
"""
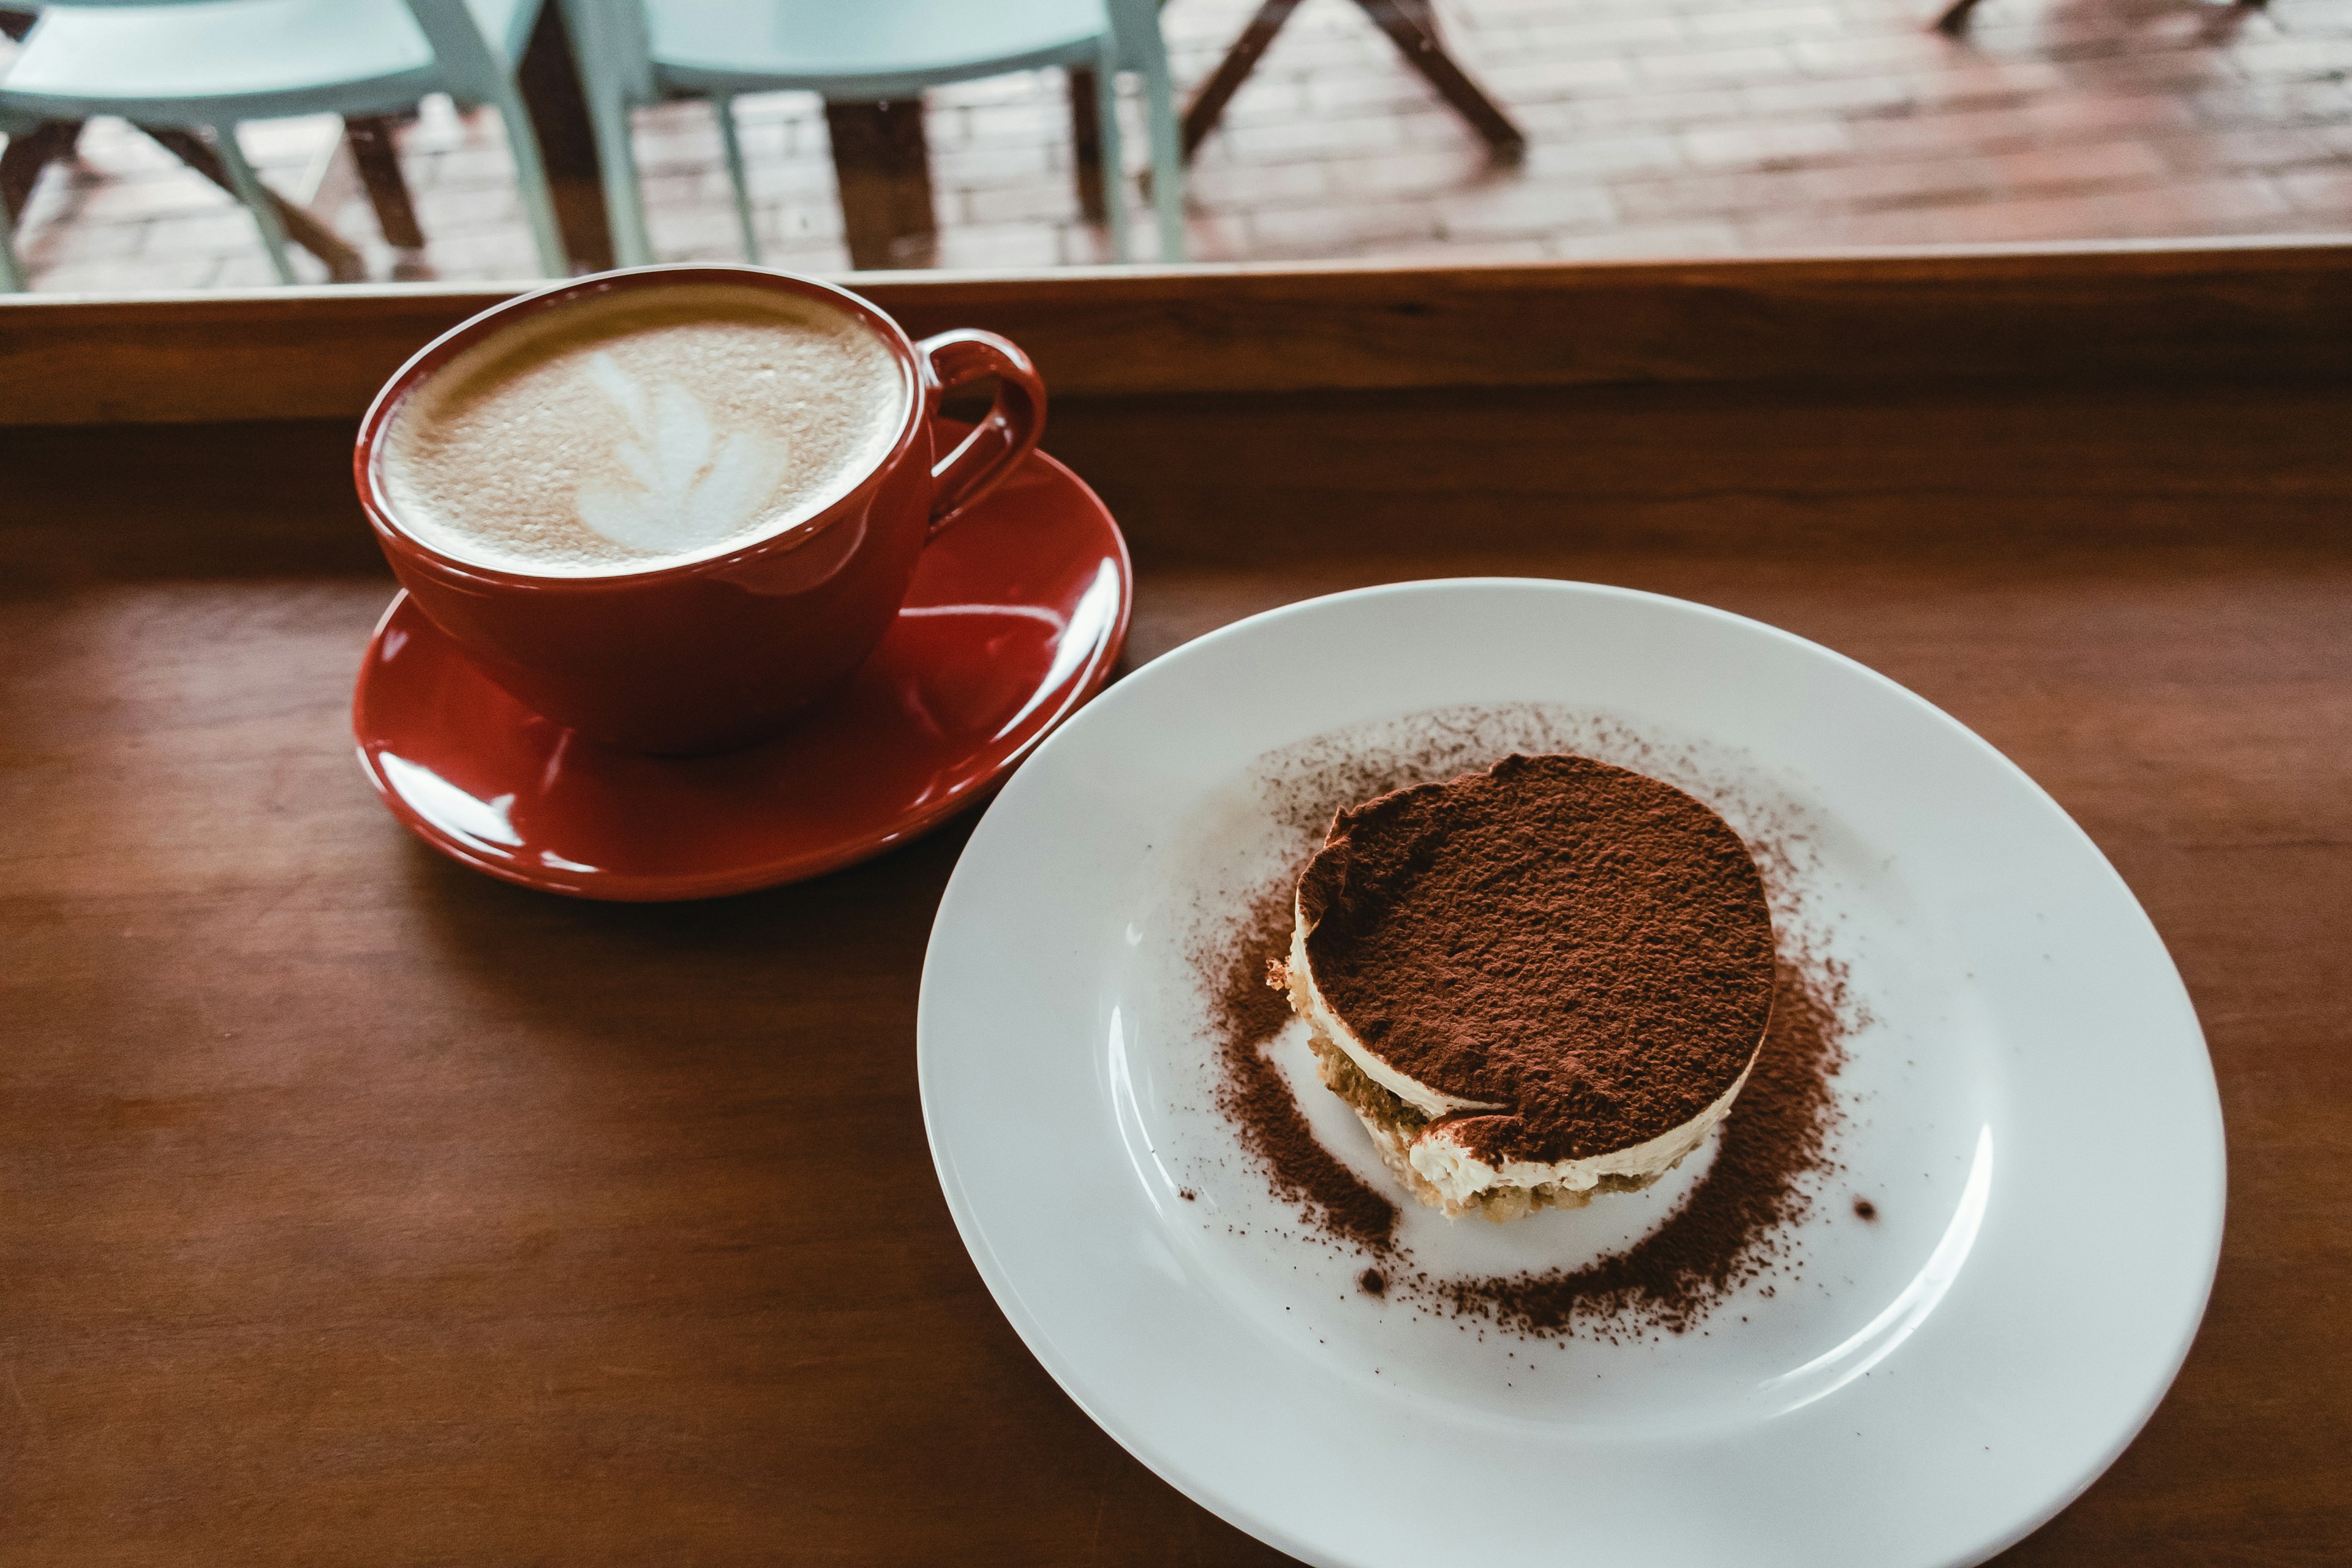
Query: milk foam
x=629 y=432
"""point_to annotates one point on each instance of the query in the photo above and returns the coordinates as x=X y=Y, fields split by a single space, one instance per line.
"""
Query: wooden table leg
x=388 y=190
x=1209 y=100
x=883 y=166
x=1412 y=26
x=1085 y=145
x=549 y=82
x=28 y=153
x=303 y=227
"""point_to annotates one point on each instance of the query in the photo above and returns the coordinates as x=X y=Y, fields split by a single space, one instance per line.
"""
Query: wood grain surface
x=2263 y=310
x=356 y=1208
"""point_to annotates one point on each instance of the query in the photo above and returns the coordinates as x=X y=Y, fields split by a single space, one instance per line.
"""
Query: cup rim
x=368 y=442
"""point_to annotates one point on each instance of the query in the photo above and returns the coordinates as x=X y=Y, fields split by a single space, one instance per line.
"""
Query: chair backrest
x=612 y=42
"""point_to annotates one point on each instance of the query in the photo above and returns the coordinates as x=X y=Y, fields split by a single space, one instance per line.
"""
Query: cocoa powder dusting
x=1585 y=948
x=1734 y=1226
x=1247 y=1015
x=1725 y=1234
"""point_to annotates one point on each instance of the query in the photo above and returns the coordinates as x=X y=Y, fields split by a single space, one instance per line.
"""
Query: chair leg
x=1085 y=144
x=1166 y=158
x=1114 y=160
x=248 y=188
x=737 y=179
x=28 y=152
x=303 y=226
x=617 y=165
x=882 y=167
x=531 y=180
x=377 y=158
x=12 y=277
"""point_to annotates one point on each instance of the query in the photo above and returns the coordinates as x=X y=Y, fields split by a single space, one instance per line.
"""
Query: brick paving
x=1656 y=128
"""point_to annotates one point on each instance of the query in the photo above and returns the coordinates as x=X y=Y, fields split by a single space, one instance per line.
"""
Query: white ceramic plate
x=2029 y=1107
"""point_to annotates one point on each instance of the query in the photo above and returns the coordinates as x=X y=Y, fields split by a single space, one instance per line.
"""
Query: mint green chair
x=636 y=53
x=215 y=64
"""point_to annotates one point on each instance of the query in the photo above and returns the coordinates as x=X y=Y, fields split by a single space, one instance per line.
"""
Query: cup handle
x=997 y=444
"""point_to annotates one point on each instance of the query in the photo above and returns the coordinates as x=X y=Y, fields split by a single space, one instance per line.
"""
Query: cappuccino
x=642 y=428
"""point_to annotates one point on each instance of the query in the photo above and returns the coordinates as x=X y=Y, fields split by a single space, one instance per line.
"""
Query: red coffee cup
x=704 y=655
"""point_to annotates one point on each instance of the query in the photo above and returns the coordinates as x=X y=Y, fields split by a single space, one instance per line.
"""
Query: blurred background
x=1643 y=128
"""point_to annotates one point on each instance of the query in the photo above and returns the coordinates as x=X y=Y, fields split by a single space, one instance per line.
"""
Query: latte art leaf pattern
x=642 y=428
x=694 y=488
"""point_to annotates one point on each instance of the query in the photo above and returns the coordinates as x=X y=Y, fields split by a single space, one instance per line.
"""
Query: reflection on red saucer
x=1015 y=618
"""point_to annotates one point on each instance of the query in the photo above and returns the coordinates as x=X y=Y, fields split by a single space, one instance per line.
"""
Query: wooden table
x=356 y=1208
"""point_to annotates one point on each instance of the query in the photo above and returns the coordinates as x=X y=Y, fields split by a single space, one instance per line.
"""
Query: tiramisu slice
x=1533 y=983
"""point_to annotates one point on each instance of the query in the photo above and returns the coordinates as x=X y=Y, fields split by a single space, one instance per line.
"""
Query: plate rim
x=1170 y=1469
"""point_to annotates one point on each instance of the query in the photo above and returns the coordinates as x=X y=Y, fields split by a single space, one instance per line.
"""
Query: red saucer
x=1015 y=618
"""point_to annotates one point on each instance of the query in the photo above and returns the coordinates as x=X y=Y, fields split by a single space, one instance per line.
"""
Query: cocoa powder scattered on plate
x=1725 y=1234
x=1732 y=1229
x=1247 y=1015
